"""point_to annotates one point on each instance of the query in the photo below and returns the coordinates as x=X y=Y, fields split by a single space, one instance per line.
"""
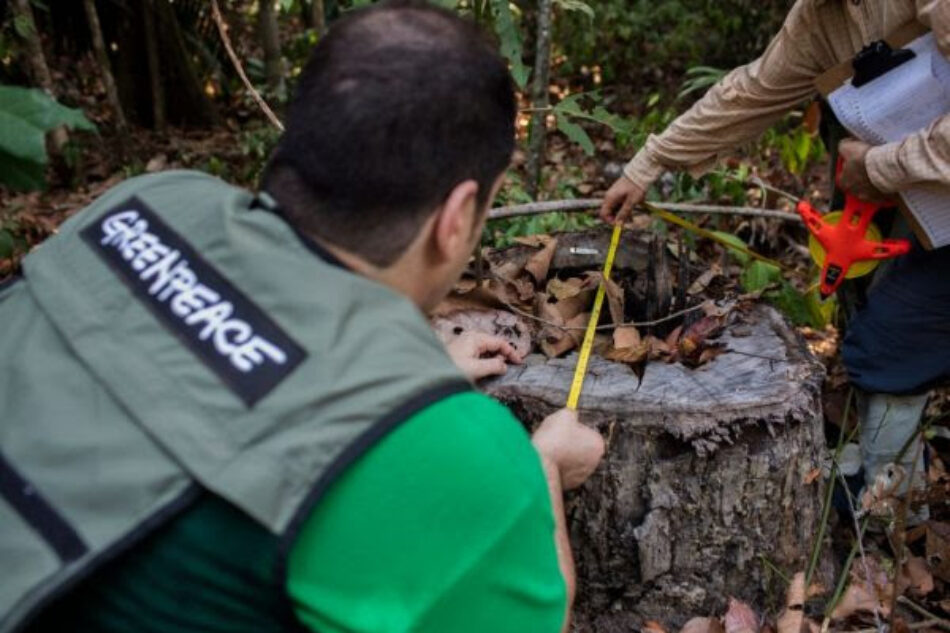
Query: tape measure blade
x=580 y=371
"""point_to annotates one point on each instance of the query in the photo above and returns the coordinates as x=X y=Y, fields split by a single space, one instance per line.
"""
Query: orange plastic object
x=846 y=241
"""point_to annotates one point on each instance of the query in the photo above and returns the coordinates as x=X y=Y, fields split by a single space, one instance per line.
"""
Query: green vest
x=178 y=336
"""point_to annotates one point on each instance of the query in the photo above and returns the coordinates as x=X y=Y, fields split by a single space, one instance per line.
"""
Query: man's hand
x=574 y=449
x=620 y=199
x=479 y=355
x=854 y=174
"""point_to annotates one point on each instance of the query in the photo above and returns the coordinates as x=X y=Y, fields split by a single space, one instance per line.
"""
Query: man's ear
x=455 y=221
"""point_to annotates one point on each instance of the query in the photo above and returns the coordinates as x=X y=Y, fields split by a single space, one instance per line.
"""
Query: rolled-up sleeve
x=742 y=105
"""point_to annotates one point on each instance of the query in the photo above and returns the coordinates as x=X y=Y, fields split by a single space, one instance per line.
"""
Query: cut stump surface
x=702 y=494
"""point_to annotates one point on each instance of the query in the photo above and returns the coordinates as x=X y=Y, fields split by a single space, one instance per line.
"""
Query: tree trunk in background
x=154 y=66
x=102 y=59
x=318 y=18
x=539 y=97
x=36 y=62
x=270 y=41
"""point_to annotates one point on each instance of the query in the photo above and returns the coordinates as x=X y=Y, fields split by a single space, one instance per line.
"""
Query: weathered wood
x=703 y=490
x=704 y=478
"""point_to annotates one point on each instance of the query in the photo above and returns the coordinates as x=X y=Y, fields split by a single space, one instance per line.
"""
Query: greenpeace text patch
x=222 y=326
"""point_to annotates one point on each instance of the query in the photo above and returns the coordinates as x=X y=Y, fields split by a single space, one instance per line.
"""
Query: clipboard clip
x=876 y=59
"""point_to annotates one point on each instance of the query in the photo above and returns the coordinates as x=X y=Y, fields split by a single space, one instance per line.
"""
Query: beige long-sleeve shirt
x=817 y=35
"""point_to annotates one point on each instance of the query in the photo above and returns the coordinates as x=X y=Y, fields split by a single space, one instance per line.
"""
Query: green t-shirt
x=444 y=527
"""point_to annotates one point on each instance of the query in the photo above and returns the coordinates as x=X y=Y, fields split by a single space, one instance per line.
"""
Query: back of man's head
x=398 y=104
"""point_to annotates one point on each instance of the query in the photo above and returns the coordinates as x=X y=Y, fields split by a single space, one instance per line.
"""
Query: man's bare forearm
x=561 y=540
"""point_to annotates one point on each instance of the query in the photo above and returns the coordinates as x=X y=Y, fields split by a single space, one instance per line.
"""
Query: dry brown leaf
x=811 y=476
x=570 y=308
x=740 y=618
x=658 y=349
x=629 y=355
x=702 y=282
x=673 y=337
x=507 y=270
x=870 y=588
x=562 y=289
x=614 y=301
x=627 y=337
x=812 y=119
x=880 y=499
x=463 y=286
x=938 y=549
x=612 y=290
x=556 y=342
x=919 y=578
x=540 y=263
x=702 y=625
x=793 y=617
x=652 y=626
x=857 y=599
x=535 y=241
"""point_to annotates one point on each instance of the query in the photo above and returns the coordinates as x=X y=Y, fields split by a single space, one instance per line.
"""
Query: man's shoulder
x=449 y=509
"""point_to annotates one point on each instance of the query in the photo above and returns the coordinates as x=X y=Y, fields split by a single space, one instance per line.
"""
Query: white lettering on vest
x=173 y=282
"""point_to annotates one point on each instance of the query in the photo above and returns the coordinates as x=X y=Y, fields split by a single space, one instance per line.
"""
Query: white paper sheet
x=901 y=102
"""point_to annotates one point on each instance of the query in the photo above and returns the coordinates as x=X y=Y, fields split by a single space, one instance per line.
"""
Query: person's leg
x=897 y=346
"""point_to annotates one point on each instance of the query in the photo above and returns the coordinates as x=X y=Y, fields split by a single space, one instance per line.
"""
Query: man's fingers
x=490 y=344
x=627 y=209
x=607 y=208
x=495 y=366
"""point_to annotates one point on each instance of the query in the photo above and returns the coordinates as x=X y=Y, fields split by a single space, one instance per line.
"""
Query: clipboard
x=834 y=78
x=874 y=61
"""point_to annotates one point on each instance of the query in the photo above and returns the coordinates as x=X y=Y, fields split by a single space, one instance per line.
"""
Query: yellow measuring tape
x=581 y=370
x=577 y=385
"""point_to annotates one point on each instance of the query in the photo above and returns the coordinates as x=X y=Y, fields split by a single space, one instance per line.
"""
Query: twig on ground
x=826 y=508
x=761 y=184
x=609 y=326
x=223 y=32
x=935 y=619
x=859 y=532
x=916 y=626
x=583 y=204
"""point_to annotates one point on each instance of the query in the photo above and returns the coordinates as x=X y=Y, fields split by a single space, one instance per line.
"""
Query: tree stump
x=705 y=490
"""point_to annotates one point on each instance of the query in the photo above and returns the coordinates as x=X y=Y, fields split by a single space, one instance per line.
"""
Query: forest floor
x=898 y=576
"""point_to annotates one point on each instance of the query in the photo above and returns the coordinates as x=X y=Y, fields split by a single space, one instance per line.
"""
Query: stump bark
x=705 y=491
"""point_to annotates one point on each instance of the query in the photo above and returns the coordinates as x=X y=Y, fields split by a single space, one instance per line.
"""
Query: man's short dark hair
x=398 y=104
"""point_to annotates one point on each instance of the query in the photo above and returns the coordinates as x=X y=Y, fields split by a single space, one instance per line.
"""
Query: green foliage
x=26 y=115
x=802 y=308
x=502 y=233
x=797 y=149
x=654 y=40
x=511 y=44
x=699 y=79
x=571 y=108
x=257 y=144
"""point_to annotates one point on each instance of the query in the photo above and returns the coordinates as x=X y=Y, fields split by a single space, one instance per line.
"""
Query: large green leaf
x=571 y=106
x=40 y=110
x=511 y=46
x=21 y=174
x=26 y=115
x=759 y=275
x=576 y=133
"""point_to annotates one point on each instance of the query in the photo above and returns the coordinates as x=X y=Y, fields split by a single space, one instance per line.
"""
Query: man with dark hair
x=227 y=412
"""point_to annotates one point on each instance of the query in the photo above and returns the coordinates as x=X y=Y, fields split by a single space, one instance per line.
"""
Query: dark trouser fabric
x=899 y=341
